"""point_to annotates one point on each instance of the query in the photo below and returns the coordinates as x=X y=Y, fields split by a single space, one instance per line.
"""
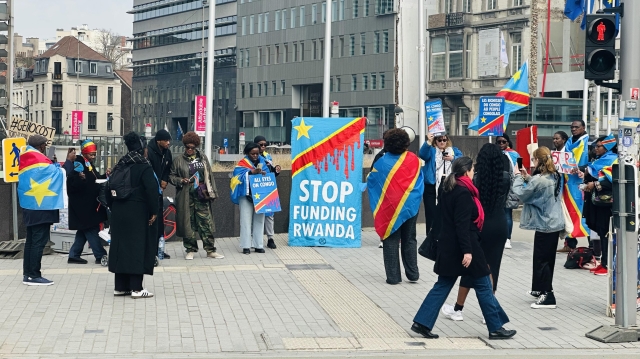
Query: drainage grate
x=547 y=328
x=320 y=266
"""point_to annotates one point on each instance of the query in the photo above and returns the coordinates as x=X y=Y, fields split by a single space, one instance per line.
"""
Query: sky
x=41 y=18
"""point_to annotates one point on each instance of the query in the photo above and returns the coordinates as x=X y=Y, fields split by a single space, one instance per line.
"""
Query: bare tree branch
x=110 y=46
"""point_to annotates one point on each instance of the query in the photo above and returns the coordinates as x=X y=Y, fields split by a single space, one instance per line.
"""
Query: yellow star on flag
x=40 y=191
x=257 y=196
x=483 y=119
x=516 y=76
x=430 y=118
x=235 y=181
x=303 y=130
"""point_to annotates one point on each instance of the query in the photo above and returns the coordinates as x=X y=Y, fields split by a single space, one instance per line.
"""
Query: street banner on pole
x=491 y=116
x=201 y=115
x=326 y=200
x=11 y=148
x=76 y=121
x=264 y=191
x=435 y=119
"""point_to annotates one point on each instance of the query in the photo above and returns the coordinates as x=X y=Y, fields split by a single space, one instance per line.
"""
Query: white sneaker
x=120 y=293
x=507 y=245
x=380 y=245
x=215 y=255
x=189 y=256
x=591 y=265
x=449 y=312
x=141 y=294
x=484 y=321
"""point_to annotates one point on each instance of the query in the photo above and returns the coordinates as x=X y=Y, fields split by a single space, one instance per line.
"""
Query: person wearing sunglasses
x=504 y=142
x=437 y=153
x=578 y=144
x=195 y=191
x=261 y=141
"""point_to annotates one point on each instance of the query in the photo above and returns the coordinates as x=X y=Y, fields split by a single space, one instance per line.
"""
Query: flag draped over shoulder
x=395 y=187
x=602 y=167
x=573 y=197
x=240 y=179
x=515 y=93
x=40 y=182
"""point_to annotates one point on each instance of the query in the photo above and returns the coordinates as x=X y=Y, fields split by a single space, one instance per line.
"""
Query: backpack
x=578 y=257
x=119 y=183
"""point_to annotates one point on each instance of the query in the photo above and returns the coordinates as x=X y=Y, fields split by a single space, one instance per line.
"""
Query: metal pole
x=202 y=53
x=598 y=99
x=627 y=264
x=609 y=105
x=10 y=65
x=327 y=61
x=585 y=90
x=421 y=74
x=78 y=88
x=210 y=93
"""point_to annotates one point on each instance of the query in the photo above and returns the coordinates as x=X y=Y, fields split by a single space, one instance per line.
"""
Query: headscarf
x=88 y=146
x=466 y=182
x=602 y=166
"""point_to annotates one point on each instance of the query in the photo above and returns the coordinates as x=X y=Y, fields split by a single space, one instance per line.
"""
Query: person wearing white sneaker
x=134 y=239
x=507 y=244
x=449 y=312
x=141 y=294
x=189 y=256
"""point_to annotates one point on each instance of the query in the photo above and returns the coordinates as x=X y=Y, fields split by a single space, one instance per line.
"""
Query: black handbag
x=602 y=198
x=429 y=248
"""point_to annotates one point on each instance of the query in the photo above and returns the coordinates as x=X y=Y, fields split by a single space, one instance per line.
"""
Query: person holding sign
x=395 y=188
x=578 y=144
x=437 y=153
x=269 y=218
x=598 y=199
x=504 y=142
x=251 y=223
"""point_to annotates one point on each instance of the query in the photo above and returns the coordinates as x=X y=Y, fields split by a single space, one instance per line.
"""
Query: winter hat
x=163 y=135
x=88 y=146
x=259 y=138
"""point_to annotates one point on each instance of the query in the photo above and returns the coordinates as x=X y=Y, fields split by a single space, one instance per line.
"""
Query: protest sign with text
x=264 y=192
x=564 y=161
x=23 y=128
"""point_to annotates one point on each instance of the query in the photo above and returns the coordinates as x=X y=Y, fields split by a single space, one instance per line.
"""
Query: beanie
x=163 y=135
x=259 y=138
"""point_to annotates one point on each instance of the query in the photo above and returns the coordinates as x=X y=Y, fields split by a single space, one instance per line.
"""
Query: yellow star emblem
x=257 y=196
x=483 y=119
x=303 y=130
x=40 y=190
x=516 y=76
x=430 y=118
x=235 y=181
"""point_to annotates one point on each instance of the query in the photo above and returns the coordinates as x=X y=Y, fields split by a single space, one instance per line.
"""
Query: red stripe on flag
x=32 y=157
x=519 y=98
x=273 y=195
x=489 y=126
x=245 y=163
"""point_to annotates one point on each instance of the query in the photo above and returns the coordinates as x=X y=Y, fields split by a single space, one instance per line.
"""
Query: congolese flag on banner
x=240 y=179
x=395 y=187
x=326 y=200
x=40 y=182
x=571 y=194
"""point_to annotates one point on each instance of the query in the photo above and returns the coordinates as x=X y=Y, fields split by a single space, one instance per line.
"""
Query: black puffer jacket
x=84 y=209
x=160 y=160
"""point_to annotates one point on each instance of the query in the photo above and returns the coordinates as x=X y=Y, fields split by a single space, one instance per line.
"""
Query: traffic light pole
x=625 y=213
x=10 y=58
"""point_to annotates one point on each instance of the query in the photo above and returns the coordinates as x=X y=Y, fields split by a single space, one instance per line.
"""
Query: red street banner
x=76 y=121
x=201 y=115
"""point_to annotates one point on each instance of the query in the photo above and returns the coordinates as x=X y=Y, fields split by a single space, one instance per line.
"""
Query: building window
x=448 y=7
x=338 y=83
x=56 y=95
x=334 y=10
x=240 y=58
x=366 y=7
x=365 y=82
x=374 y=81
x=251 y=21
x=293 y=17
x=341 y=44
x=455 y=56
x=93 y=94
x=268 y=55
x=282 y=86
x=352 y=45
x=355 y=8
x=266 y=89
x=381 y=81
x=93 y=121
x=302 y=51
x=438 y=58
x=302 y=16
x=376 y=42
x=57 y=70
x=468 y=57
x=260 y=23
x=266 y=22
x=314 y=14
x=516 y=51
x=277 y=20
x=341 y=10
x=363 y=38
x=79 y=66
x=260 y=56
x=93 y=68
x=286 y=53
x=466 y=5
x=321 y=49
x=385 y=41
x=56 y=121
x=331 y=84
x=324 y=12
x=284 y=20
x=242 y=90
x=109 y=122
x=277 y=54
x=42 y=93
x=273 y=88
x=244 y=25
x=295 y=52
x=492 y=4
x=517 y=2
x=36 y=116
x=251 y=90
x=109 y=95
x=246 y=59
x=314 y=50
x=37 y=92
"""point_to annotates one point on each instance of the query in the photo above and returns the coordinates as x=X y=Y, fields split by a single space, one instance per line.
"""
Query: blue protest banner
x=491 y=116
x=264 y=191
x=435 y=119
x=326 y=202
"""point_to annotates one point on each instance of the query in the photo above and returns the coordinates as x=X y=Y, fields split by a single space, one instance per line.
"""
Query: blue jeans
x=508 y=212
x=82 y=237
x=491 y=309
x=37 y=239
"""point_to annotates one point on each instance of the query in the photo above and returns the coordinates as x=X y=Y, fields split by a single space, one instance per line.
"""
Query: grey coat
x=180 y=170
x=542 y=211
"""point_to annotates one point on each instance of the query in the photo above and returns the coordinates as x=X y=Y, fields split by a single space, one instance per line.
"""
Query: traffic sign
x=11 y=148
x=226 y=142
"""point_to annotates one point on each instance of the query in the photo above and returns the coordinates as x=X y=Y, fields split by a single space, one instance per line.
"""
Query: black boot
x=271 y=244
x=502 y=334
x=424 y=331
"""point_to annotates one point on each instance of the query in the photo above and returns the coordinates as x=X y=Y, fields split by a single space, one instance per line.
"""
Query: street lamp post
x=78 y=85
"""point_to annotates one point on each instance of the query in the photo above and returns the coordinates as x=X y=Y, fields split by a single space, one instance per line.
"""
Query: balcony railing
x=56 y=103
x=57 y=76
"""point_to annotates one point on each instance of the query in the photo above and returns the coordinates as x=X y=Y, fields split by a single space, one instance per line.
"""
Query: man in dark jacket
x=38 y=224
x=160 y=158
x=85 y=212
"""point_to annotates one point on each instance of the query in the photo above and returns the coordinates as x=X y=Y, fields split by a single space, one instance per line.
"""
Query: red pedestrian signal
x=600 y=51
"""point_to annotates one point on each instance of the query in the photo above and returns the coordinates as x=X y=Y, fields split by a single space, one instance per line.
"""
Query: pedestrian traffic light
x=600 y=47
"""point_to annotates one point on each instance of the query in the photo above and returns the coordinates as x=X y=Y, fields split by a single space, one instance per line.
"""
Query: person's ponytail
x=459 y=168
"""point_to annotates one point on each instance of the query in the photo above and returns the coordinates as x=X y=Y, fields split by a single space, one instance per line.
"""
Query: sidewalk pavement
x=288 y=302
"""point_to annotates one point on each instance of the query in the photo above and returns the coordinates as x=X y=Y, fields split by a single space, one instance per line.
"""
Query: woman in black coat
x=459 y=254
x=134 y=240
x=493 y=180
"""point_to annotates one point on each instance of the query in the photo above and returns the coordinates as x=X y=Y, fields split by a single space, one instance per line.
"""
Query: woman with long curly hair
x=493 y=181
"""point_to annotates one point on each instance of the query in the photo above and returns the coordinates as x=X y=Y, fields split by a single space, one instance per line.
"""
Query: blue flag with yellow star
x=264 y=191
x=240 y=182
x=40 y=182
x=326 y=170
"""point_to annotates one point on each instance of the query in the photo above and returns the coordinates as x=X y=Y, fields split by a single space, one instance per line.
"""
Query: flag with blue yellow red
x=516 y=96
x=40 y=182
x=240 y=184
x=571 y=194
x=395 y=187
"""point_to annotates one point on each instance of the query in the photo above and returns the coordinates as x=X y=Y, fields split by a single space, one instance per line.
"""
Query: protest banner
x=326 y=200
x=435 y=118
x=23 y=128
x=491 y=116
x=564 y=161
x=264 y=192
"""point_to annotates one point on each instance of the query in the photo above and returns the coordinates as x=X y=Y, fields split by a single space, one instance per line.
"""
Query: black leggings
x=128 y=282
x=429 y=199
x=544 y=260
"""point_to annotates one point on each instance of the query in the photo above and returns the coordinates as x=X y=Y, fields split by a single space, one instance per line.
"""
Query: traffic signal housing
x=600 y=47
